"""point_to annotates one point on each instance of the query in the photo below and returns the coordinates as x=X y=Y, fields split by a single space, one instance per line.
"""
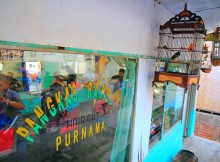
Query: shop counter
x=32 y=100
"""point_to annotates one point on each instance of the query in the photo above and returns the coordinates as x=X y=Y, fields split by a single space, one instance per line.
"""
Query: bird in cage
x=190 y=48
x=175 y=56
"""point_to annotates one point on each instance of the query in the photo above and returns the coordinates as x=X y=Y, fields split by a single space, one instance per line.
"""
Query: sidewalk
x=205 y=150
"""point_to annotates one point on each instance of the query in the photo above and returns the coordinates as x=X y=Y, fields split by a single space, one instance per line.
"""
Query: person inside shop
x=11 y=104
x=25 y=79
x=57 y=85
x=71 y=77
x=116 y=80
x=10 y=100
x=58 y=79
x=13 y=83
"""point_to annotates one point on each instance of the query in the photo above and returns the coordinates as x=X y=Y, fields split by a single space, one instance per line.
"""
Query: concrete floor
x=205 y=150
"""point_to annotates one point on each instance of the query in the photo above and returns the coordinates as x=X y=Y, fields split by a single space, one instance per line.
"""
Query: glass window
x=157 y=113
x=173 y=106
x=65 y=107
x=167 y=109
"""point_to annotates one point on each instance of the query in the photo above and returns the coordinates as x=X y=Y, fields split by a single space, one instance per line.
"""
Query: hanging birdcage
x=216 y=48
x=181 y=42
x=206 y=65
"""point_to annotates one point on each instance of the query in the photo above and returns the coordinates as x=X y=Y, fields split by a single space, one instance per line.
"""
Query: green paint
x=168 y=146
x=100 y=96
x=29 y=138
x=95 y=94
x=75 y=98
x=106 y=99
x=81 y=50
x=78 y=50
x=61 y=106
x=89 y=94
x=27 y=45
x=49 y=69
x=192 y=122
x=68 y=102
x=44 y=119
x=53 y=111
x=36 y=128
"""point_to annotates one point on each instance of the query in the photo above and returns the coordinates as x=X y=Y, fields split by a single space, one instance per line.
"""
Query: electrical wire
x=208 y=9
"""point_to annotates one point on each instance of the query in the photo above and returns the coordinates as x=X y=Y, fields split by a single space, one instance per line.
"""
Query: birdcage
x=216 y=48
x=182 y=37
x=206 y=64
x=181 y=42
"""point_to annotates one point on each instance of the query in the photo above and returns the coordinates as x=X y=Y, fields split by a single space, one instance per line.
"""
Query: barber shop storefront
x=64 y=106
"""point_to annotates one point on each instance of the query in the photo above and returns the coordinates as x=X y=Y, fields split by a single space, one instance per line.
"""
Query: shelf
x=188 y=63
x=182 y=80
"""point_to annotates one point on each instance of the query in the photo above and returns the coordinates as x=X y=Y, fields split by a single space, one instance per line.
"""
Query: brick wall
x=207 y=131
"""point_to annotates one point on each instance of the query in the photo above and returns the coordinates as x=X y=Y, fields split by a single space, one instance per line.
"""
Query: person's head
x=10 y=74
x=121 y=72
x=4 y=84
x=56 y=75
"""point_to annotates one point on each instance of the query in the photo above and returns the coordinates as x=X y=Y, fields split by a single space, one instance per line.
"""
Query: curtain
x=121 y=140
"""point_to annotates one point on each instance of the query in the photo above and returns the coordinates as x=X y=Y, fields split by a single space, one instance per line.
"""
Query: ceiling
x=209 y=10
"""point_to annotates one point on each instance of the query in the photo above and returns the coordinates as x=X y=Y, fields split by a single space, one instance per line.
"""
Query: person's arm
x=16 y=104
x=63 y=78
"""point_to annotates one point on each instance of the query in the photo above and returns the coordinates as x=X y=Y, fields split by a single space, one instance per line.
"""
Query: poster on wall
x=11 y=55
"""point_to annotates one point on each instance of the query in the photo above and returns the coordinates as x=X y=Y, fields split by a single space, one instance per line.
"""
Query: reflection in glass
x=157 y=113
x=173 y=106
x=168 y=102
x=70 y=107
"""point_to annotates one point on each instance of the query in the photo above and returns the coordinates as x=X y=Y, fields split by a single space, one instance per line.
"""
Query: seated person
x=71 y=75
x=101 y=106
x=10 y=101
x=117 y=80
x=58 y=80
x=13 y=83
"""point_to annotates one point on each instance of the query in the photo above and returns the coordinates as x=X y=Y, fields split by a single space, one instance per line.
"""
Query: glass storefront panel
x=168 y=100
x=173 y=106
x=65 y=107
x=157 y=113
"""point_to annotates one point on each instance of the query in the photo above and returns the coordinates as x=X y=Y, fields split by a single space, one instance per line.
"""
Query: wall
x=144 y=91
x=168 y=147
x=143 y=111
x=116 y=25
x=208 y=126
x=208 y=94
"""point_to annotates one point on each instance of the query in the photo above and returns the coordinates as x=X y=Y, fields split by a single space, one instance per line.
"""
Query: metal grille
x=189 y=45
